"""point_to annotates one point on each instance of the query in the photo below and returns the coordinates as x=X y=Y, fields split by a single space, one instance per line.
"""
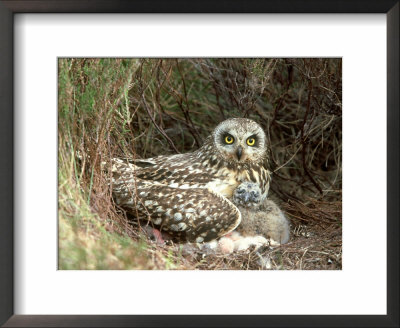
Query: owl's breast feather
x=223 y=187
x=227 y=181
x=224 y=183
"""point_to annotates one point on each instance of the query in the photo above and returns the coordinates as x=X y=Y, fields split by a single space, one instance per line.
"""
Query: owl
x=198 y=196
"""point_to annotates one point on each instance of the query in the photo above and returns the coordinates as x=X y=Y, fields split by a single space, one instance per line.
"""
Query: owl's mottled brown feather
x=190 y=195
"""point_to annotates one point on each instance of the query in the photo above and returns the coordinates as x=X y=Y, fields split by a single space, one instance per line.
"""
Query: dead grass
x=146 y=107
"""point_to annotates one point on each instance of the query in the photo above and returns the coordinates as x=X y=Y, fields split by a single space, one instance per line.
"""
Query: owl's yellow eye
x=251 y=141
x=229 y=140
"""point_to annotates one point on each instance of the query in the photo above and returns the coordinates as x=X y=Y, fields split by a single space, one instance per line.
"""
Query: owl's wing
x=142 y=163
x=191 y=214
x=155 y=161
x=141 y=168
x=174 y=169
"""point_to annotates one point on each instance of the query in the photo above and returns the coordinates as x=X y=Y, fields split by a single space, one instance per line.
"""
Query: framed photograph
x=162 y=163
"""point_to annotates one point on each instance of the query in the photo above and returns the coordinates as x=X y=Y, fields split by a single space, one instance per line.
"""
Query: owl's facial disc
x=240 y=140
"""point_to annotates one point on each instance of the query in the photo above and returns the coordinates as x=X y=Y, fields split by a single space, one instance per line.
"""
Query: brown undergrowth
x=146 y=107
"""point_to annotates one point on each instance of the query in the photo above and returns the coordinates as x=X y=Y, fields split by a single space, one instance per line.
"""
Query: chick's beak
x=239 y=152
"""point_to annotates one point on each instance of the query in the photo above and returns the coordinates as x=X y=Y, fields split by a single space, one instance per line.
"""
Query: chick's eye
x=228 y=140
x=251 y=141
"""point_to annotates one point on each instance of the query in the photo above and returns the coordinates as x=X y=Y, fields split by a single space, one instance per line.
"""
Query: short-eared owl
x=199 y=196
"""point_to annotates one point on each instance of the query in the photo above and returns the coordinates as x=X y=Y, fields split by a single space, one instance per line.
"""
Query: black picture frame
x=8 y=200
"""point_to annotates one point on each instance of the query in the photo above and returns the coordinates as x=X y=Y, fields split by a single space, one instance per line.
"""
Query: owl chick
x=260 y=217
x=191 y=195
x=263 y=223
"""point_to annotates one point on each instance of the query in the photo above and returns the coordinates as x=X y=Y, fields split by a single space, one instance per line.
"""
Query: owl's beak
x=239 y=152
